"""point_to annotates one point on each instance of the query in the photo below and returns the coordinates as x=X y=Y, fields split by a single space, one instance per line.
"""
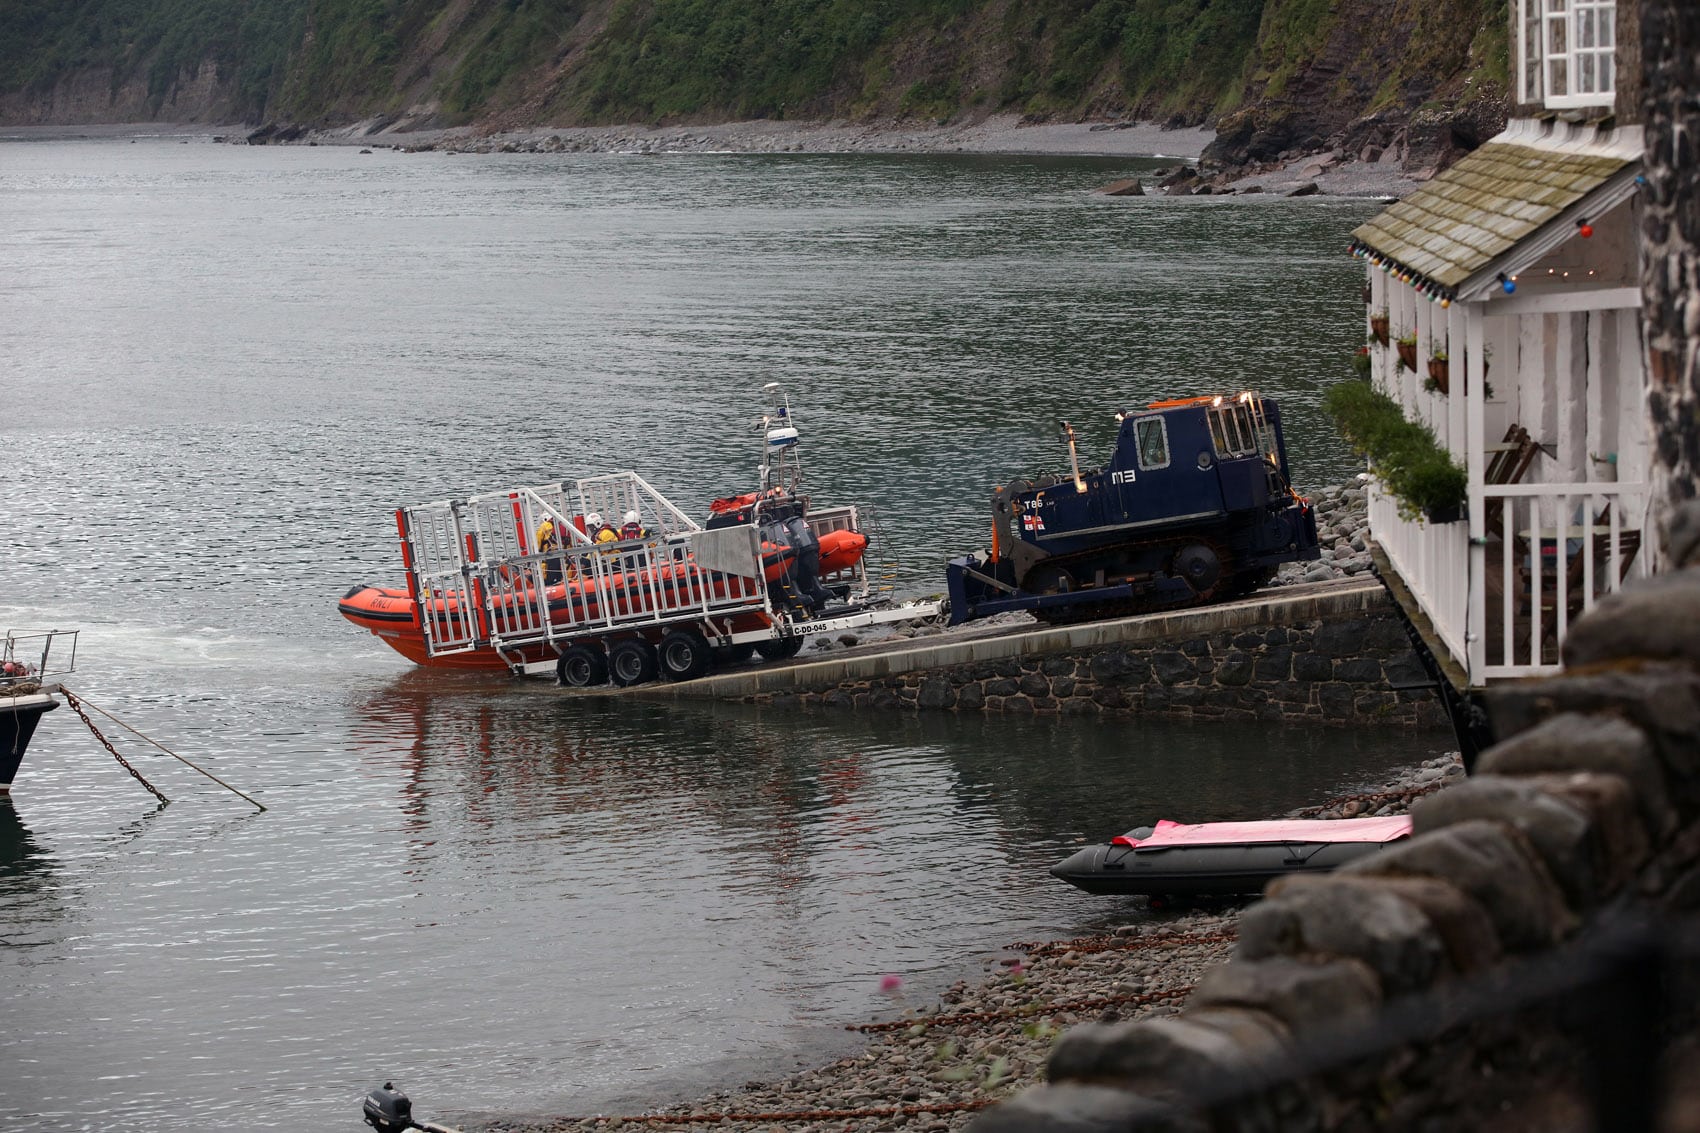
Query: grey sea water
x=221 y=367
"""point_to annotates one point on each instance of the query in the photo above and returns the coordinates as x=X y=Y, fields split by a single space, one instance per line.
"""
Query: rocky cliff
x=1424 y=78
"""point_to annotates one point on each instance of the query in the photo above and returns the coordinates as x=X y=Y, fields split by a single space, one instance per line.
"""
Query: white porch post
x=1465 y=323
x=1425 y=329
x=1569 y=465
x=1598 y=378
x=1451 y=326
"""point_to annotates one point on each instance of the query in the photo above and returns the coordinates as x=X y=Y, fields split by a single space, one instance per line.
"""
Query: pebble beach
x=931 y=1068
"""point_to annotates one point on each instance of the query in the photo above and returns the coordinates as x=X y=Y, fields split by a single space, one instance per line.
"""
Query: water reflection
x=30 y=904
x=486 y=751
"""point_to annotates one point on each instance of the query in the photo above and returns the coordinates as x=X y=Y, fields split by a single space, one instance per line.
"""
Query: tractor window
x=1231 y=429
x=1152 y=437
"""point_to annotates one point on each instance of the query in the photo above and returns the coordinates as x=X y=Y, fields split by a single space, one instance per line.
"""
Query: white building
x=1519 y=264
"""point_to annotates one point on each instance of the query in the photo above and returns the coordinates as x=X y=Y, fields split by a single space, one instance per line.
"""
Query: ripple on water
x=233 y=362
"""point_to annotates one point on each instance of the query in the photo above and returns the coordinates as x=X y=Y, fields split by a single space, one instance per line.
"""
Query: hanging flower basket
x=1437 y=374
x=1408 y=354
x=1379 y=325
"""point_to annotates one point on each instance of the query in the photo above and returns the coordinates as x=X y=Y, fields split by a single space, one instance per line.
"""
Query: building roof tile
x=1484 y=205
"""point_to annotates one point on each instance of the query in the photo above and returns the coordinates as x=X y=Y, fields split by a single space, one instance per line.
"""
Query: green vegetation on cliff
x=674 y=60
x=249 y=41
x=539 y=62
x=656 y=60
x=660 y=59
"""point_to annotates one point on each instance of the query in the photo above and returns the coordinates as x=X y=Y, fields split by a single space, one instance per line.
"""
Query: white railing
x=1549 y=553
x=1433 y=561
x=1553 y=550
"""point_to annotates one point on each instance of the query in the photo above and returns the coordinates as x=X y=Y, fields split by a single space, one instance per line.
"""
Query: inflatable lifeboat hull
x=841 y=550
x=390 y=614
x=1224 y=858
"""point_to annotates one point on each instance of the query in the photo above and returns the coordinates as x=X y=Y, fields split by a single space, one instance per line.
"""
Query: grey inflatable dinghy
x=1175 y=859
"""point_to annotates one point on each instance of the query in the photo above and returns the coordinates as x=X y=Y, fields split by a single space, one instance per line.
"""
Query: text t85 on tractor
x=1193 y=506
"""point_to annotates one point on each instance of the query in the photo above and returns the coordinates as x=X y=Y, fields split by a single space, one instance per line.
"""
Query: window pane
x=1558 y=77
x=1153 y=447
x=1242 y=430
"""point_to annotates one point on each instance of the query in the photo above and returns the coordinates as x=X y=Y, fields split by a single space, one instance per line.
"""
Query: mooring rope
x=72 y=700
x=77 y=707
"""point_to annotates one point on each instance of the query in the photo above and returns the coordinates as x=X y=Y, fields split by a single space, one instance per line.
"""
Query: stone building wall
x=1579 y=829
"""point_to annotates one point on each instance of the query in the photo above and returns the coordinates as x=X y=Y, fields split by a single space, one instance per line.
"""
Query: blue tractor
x=1194 y=506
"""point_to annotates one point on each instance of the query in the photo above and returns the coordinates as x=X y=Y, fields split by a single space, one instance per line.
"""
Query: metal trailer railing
x=479 y=578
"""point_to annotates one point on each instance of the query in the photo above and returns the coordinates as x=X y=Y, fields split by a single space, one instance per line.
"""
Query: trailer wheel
x=684 y=655
x=780 y=648
x=632 y=662
x=582 y=666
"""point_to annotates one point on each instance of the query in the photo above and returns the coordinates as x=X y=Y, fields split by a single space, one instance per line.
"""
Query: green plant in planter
x=1438 y=361
x=1378 y=324
x=1404 y=455
x=1361 y=361
x=1407 y=346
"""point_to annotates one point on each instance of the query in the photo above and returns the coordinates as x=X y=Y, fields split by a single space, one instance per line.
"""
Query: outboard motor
x=388 y=1110
x=803 y=537
x=786 y=590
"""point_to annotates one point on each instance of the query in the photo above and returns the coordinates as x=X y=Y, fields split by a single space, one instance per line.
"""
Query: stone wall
x=1350 y=667
x=1584 y=820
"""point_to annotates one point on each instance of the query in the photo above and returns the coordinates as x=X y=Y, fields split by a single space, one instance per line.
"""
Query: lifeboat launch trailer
x=482 y=594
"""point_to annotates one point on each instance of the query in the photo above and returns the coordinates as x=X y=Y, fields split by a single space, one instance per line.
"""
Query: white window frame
x=1561 y=43
x=1139 y=426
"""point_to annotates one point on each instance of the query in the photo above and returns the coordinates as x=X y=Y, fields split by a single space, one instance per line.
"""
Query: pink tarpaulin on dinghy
x=1167 y=833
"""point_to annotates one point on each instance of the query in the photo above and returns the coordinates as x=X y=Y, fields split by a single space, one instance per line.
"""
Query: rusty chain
x=77 y=707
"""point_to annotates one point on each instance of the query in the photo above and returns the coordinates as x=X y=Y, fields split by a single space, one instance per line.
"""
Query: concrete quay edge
x=1278 y=607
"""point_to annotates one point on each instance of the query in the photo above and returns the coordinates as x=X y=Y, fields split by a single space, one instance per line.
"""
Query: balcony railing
x=1552 y=551
x=1548 y=553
